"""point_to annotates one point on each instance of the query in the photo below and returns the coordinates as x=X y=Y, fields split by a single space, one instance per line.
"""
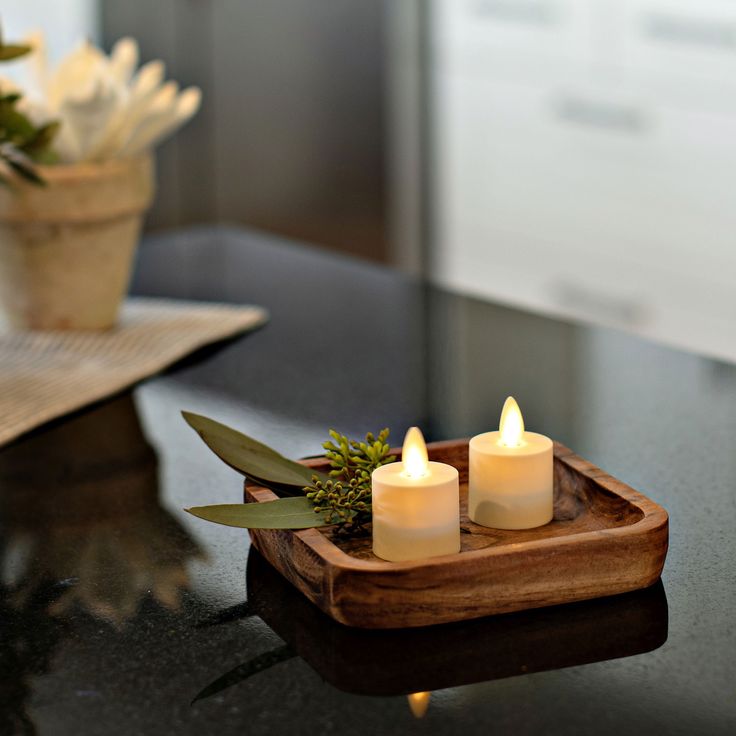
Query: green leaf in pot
x=38 y=147
x=248 y=456
x=18 y=162
x=283 y=513
x=11 y=51
x=17 y=129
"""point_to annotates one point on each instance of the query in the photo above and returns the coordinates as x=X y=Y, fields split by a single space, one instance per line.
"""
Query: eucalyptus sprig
x=307 y=498
x=345 y=499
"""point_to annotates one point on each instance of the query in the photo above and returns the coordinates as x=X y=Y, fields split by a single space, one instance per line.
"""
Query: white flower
x=106 y=109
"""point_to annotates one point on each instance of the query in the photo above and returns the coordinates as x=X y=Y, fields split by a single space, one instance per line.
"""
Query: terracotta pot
x=66 y=249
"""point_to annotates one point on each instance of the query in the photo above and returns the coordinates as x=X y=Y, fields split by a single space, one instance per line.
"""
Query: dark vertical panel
x=195 y=144
x=291 y=137
x=179 y=33
x=154 y=31
x=407 y=57
x=300 y=116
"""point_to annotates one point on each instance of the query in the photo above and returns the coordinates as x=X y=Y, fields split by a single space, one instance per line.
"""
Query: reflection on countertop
x=82 y=531
x=415 y=661
x=424 y=357
x=79 y=503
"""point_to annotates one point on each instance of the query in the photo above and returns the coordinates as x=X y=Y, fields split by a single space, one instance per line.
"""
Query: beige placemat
x=44 y=375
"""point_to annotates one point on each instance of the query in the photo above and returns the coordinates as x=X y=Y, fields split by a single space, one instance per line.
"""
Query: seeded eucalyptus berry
x=345 y=498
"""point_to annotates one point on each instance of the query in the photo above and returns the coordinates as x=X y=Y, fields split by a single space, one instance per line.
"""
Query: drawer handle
x=601 y=115
x=694 y=31
x=593 y=305
x=529 y=12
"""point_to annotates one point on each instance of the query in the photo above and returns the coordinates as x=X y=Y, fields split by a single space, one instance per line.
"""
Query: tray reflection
x=408 y=661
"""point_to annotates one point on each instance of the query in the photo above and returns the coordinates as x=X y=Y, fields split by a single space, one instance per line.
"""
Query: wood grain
x=605 y=538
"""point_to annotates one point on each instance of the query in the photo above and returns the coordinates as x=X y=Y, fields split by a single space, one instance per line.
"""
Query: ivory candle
x=416 y=505
x=510 y=482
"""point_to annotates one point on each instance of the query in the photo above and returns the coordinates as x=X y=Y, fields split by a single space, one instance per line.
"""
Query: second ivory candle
x=510 y=483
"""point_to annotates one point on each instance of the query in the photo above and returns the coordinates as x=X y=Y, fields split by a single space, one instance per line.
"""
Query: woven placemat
x=44 y=375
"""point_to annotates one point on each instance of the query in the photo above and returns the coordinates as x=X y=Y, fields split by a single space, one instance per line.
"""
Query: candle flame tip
x=511 y=425
x=414 y=453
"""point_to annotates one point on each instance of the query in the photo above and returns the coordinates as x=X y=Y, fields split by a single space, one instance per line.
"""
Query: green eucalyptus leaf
x=281 y=490
x=283 y=513
x=248 y=456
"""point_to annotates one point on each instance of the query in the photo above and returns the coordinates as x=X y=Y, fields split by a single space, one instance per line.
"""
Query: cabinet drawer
x=482 y=35
x=607 y=173
x=591 y=287
x=683 y=40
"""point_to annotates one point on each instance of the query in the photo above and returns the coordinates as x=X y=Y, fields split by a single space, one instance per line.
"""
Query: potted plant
x=75 y=158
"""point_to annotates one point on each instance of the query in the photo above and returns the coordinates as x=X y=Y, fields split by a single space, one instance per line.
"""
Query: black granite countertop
x=117 y=609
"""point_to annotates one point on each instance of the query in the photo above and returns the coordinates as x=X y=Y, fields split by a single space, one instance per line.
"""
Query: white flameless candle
x=416 y=505
x=511 y=478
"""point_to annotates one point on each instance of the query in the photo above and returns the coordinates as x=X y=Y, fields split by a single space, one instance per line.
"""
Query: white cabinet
x=532 y=31
x=596 y=186
x=693 y=42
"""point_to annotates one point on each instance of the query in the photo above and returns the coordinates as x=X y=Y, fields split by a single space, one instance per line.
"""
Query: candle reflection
x=419 y=703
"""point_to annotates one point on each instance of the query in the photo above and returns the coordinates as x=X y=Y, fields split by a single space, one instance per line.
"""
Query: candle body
x=510 y=487
x=415 y=518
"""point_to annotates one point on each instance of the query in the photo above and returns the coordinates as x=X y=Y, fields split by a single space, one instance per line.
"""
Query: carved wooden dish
x=606 y=538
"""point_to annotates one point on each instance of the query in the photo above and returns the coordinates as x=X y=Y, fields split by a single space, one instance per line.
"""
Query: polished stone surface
x=117 y=610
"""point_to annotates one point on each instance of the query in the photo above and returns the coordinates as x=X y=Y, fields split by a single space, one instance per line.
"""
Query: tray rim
x=654 y=518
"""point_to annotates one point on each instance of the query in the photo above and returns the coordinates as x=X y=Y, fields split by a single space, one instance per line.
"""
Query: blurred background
x=570 y=157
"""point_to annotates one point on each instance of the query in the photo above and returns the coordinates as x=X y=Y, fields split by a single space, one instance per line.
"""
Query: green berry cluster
x=346 y=496
x=346 y=502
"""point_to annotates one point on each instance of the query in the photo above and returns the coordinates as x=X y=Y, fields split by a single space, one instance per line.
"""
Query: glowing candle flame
x=419 y=702
x=511 y=426
x=414 y=454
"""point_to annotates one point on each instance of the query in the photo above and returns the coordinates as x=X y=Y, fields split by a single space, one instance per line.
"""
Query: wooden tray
x=605 y=539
